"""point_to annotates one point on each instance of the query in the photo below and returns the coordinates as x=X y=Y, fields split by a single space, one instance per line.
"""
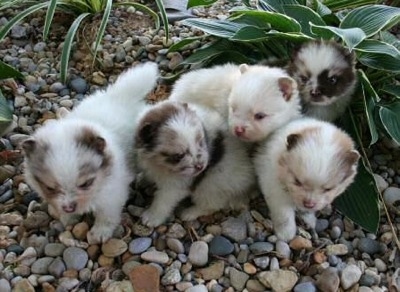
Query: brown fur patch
x=286 y=86
x=91 y=140
x=295 y=139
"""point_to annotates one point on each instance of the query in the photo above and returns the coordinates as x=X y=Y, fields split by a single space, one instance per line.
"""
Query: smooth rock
x=114 y=247
x=198 y=253
x=139 y=245
x=283 y=249
x=79 y=85
x=235 y=229
x=299 y=243
x=380 y=182
x=54 y=249
x=57 y=267
x=329 y=280
x=321 y=225
x=123 y=286
x=28 y=257
x=41 y=266
x=262 y=262
x=391 y=196
x=171 y=277
x=197 y=288
x=36 y=220
x=238 y=279
x=258 y=248
x=278 y=280
x=253 y=285
x=23 y=286
x=176 y=231
x=75 y=258
x=155 y=257
x=5 y=285
x=305 y=287
x=145 y=278
x=221 y=246
x=337 y=249
x=369 y=245
x=350 y=276
x=175 y=245
x=214 y=271
x=80 y=230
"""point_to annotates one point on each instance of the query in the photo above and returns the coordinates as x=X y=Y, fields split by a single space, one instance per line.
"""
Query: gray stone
x=176 y=231
x=329 y=280
x=155 y=257
x=171 y=277
x=39 y=47
x=197 y=288
x=238 y=279
x=321 y=225
x=391 y=196
x=79 y=85
x=57 y=87
x=143 y=40
x=198 y=253
x=57 y=267
x=369 y=245
x=305 y=287
x=41 y=266
x=278 y=280
x=380 y=182
x=220 y=246
x=274 y=264
x=18 y=32
x=262 y=262
x=350 y=276
x=367 y=280
x=175 y=245
x=5 y=285
x=75 y=258
x=283 y=249
x=258 y=248
x=139 y=245
x=54 y=249
x=235 y=229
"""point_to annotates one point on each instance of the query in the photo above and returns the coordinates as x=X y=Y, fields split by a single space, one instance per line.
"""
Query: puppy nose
x=315 y=94
x=309 y=204
x=69 y=208
x=239 y=131
x=198 y=166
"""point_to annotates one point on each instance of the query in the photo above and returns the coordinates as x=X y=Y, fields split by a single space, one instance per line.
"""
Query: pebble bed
x=224 y=252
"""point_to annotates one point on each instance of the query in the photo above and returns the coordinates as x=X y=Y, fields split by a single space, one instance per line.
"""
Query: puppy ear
x=62 y=112
x=146 y=135
x=287 y=85
x=91 y=140
x=243 y=68
x=29 y=146
x=351 y=158
x=292 y=140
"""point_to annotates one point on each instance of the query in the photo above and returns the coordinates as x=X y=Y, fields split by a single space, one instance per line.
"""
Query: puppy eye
x=327 y=190
x=87 y=184
x=303 y=78
x=175 y=158
x=332 y=79
x=50 y=189
x=259 y=116
x=297 y=182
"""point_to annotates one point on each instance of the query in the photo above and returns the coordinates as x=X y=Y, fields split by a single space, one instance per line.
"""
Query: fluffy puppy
x=256 y=100
x=82 y=162
x=303 y=167
x=185 y=151
x=326 y=74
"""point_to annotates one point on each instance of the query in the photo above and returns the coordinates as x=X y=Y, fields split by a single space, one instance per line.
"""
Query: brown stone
x=319 y=257
x=47 y=287
x=80 y=230
x=70 y=274
x=93 y=252
x=105 y=261
x=214 y=271
x=145 y=278
x=299 y=243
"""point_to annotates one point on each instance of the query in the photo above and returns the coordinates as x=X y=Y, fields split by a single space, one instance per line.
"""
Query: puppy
x=303 y=167
x=326 y=74
x=82 y=162
x=184 y=149
x=255 y=100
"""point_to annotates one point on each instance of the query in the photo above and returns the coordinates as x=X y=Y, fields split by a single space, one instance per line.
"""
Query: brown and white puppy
x=255 y=100
x=303 y=167
x=184 y=149
x=82 y=162
x=326 y=74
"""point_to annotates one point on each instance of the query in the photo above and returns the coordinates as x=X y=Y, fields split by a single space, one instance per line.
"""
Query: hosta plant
x=80 y=11
x=273 y=28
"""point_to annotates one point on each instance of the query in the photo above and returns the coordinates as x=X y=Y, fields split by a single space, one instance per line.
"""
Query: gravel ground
x=223 y=252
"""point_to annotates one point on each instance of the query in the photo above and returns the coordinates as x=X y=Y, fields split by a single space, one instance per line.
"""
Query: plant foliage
x=80 y=10
x=273 y=28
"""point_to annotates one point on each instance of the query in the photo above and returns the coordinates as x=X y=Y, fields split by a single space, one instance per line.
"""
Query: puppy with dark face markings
x=82 y=162
x=303 y=167
x=254 y=99
x=184 y=149
x=326 y=74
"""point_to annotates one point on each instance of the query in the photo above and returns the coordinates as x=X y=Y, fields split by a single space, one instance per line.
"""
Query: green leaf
x=220 y=28
x=66 y=51
x=372 y=19
x=5 y=114
x=360 y=201
x=267 y=19
x=390 y=118
x=275 y=5
x=351 y=36
x=336 y=5
x=250 y=34
x=193 y=3
x=143 y=8
x=370 y=98
x=161 y=8
x=392 y=89
x=183 y=43
x=304 y=16
x=378 y=55
x=102 y=28
x=321 y=8
x=6 y=71
x=49 y=18
x=390 y=38
x=21 y=15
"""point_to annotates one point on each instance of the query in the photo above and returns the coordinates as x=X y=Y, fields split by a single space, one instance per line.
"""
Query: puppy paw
x=99 y=234
x=285 y=233
x=152 y=219
x=191 y=214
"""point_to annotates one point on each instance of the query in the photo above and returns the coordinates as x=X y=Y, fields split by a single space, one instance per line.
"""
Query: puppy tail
x=135 y=83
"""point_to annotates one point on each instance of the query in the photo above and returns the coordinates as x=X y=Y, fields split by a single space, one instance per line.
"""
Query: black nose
x=316 y=94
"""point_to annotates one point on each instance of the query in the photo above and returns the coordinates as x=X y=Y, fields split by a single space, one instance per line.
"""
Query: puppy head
x=324 y=70
x=261 y=101
x=66 y=164
x=171 y=139
x=318 y=165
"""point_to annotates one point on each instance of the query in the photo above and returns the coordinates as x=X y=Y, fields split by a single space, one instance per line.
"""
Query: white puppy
x=256 y=100
x=303 y=167
x=82 y=162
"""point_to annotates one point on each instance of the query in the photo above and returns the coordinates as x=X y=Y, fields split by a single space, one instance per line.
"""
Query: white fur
x=315 y=161
x=216 y=190
x=239 y=92
x=111 y=114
